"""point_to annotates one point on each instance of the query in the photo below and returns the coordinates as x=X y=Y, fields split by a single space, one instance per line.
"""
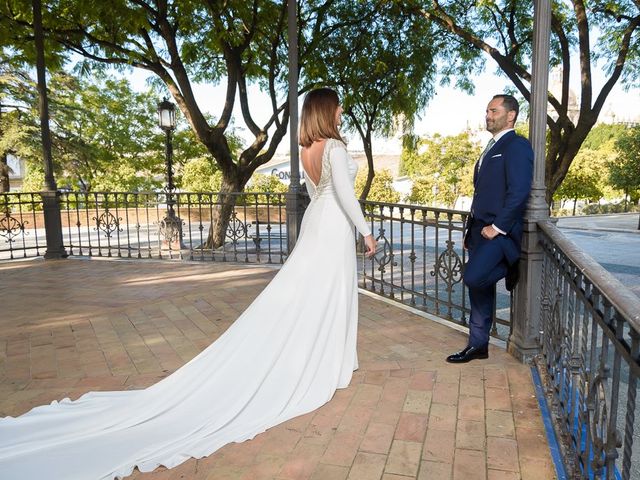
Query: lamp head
x=166 y=115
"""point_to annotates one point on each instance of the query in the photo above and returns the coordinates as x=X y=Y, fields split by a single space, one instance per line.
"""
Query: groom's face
x=497 y=117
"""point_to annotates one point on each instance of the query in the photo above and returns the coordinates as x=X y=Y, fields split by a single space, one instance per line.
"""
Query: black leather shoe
x=511 y=279
x=468 y=354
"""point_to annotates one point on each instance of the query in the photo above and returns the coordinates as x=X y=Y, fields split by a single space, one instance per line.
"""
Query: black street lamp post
x=171 y=225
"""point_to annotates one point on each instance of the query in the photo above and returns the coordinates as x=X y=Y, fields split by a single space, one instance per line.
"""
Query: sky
x=449 y=112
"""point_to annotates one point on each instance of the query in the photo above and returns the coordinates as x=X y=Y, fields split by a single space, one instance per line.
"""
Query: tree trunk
x=626 y=202
x=562 y=148
x=575 y=203
x=368 y=151
x=4 y=174
x=4 y=168
x=223 y=211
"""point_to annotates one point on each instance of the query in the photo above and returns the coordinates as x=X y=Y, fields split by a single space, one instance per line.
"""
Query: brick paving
x=71 y=326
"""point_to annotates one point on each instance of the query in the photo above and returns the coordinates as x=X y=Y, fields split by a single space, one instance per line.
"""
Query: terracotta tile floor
x=70 y=326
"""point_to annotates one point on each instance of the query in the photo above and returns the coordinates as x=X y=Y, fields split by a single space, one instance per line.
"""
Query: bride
x=283 y=357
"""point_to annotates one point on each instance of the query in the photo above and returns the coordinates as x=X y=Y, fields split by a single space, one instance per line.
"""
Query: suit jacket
x=502 y=186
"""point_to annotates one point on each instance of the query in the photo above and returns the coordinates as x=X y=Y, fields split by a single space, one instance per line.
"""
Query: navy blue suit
x=501 y=189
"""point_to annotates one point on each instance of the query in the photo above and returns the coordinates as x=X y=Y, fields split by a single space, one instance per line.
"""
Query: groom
x=502 y=182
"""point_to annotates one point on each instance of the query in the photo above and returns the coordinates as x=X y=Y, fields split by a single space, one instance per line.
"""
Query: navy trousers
x=486 y=265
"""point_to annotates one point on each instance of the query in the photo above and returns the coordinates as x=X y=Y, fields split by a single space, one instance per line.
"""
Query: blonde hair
x=318 y=117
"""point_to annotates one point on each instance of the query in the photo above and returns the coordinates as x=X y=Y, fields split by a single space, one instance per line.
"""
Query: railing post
x=50 y=195
x=526 y=318
x=53 y=225
x=294 y=199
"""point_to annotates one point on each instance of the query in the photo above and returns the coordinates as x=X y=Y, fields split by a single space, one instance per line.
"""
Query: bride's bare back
x=312 y=160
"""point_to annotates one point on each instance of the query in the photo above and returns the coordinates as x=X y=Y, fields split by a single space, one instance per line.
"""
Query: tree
x=19 y=134
x=199 y=175
x=624 y=172
x=441 y=167
x=17 y=51
x=602 y=31
x=383 y=69
x=266 y=184
x=104 y=135
x=604 y=134
x=182 y=42
x=14 y=99
x=380 y=190
x=583 y=179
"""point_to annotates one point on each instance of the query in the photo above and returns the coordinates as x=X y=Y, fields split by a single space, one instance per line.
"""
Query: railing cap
x=616 y=293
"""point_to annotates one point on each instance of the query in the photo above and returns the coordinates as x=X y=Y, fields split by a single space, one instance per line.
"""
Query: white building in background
x=17 y=171
x=555 y=87
x=280 y=167
x=607 y=115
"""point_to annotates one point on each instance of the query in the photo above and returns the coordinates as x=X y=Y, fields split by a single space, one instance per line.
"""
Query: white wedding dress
x=283 y=357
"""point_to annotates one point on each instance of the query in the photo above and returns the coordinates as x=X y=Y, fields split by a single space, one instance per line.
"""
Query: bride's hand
x=370 y=244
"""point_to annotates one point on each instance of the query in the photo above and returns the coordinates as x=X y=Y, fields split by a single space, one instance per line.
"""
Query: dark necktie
x=486 y=149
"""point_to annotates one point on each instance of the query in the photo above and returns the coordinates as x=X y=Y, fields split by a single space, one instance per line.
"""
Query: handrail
x=618 y=295
x=590 y=359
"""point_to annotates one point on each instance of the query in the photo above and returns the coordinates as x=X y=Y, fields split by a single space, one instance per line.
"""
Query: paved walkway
x=612 y=222
x=76 y=325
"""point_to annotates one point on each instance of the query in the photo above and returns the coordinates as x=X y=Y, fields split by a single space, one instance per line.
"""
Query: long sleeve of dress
x=344 y=190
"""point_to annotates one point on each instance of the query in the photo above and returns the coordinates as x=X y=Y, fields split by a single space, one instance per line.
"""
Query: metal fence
x=590 y=360
x=134 y=225
x=420 y=262
x=21 y=226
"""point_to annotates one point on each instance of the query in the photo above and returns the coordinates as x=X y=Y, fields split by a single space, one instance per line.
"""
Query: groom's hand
x=489 y=232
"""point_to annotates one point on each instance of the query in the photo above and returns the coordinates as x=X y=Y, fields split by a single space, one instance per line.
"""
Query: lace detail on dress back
x=325 y=177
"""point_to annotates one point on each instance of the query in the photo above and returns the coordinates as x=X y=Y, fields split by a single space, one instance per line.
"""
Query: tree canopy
x=584 y=179
x=184 y=42
x=104 y=134
x=624 y=171
x=383 y=68
x=441 y=167
x=603 y=34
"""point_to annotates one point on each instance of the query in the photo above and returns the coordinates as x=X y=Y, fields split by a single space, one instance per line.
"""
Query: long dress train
x=283 y=357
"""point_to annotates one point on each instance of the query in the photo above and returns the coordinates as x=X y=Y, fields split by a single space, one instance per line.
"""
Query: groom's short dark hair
x=510 y=103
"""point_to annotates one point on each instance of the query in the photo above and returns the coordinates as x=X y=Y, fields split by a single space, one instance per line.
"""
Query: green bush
x=619 y=207
x=264 y=184
x=381 y=188
x=199 y=175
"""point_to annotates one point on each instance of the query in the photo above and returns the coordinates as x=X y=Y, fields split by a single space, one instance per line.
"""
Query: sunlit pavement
x=612 y=240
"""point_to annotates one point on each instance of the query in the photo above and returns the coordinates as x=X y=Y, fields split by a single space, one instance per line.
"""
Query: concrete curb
x=600 y=229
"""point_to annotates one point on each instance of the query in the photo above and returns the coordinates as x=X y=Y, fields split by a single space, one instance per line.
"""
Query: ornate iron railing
x=420 y=262
x=22 y=232
x=139 y=225
x=590 y=360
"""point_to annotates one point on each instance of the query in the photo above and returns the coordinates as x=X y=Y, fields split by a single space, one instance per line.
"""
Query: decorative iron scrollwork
x=604 y=441
x=448 y=266
x=237 y=229
x=384 y=256
x=108 y=223
x=554 y=332
x=10 y=227
x=170 y=229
